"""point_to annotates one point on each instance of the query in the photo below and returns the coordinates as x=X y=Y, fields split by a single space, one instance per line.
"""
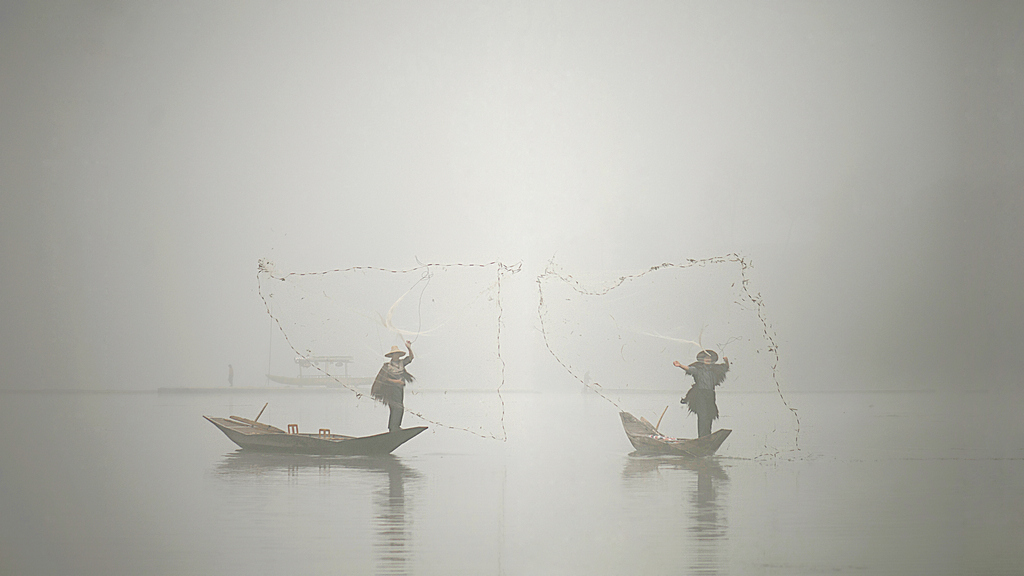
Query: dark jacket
x=700 y=398
x=390 y=382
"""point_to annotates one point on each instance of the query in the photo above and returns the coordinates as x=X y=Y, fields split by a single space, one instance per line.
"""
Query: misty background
x=867 y=157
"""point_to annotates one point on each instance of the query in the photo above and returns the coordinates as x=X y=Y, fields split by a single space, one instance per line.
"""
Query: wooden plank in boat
x=256 y=424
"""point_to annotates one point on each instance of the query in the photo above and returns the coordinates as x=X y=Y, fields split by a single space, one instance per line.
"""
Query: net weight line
x=266 y=267
x=551 y=272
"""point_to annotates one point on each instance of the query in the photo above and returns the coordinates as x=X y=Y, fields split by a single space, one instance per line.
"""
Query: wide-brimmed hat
x=395 y=351
x=707 y=354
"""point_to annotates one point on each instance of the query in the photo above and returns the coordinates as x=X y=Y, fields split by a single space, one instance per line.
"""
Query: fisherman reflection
x=393 y=543
x=700 y=398
x=708 y=526
x=389 y=386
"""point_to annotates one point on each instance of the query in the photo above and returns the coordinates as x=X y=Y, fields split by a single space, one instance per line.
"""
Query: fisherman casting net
x=617 y=334
x=333 y=328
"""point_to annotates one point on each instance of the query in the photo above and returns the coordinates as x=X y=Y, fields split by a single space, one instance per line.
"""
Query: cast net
x=618 y=333
x=337 y=325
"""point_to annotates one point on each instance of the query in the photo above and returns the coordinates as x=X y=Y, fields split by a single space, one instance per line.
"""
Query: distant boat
x=321 y=376
x=645 y=437
x=253 y=435
x=331 y=381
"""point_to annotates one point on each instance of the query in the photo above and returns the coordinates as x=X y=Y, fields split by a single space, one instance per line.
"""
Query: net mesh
x=617 y=335
x=614 y=334
x=339 y=323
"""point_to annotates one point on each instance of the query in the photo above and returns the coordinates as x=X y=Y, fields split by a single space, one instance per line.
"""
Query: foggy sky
x=868 y=157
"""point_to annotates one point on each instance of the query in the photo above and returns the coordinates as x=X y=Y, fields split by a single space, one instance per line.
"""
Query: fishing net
x=336 y=325
x=617 y=334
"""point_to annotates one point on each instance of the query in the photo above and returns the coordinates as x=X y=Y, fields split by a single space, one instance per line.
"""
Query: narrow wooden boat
x=647 y=440
x=253 y=435
x=326 y=381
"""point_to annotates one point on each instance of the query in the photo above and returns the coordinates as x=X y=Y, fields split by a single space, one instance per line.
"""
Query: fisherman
x=389 y=386
x=700 y=398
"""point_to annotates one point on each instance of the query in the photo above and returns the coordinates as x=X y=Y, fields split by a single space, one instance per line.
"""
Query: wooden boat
x=253 y=435
x=645 y=437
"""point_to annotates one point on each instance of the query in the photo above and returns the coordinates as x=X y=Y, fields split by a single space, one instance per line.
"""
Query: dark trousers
x=702 y=403
x=703 y=425
x=397 y=406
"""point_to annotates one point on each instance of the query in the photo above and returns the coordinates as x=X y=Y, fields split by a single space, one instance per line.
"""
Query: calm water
x=915 y=483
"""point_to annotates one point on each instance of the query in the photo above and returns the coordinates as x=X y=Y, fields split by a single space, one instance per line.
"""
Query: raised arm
x=408 y=346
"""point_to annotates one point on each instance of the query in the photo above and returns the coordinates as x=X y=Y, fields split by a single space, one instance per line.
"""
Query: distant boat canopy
x=321 y=375
x=324 y=361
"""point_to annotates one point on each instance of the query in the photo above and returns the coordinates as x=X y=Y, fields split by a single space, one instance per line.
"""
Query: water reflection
x=392 y=545
x=709 y=526
x=388 y=476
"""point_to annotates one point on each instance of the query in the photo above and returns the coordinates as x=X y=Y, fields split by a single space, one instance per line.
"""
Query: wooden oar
x=659 y=418
x=265 y=407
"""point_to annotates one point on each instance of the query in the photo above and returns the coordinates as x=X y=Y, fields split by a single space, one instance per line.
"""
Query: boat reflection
x=388 y=476
x=249 y=462
x=709 y=526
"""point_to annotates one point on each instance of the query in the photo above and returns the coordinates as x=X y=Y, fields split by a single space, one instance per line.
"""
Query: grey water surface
x=881 y=483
